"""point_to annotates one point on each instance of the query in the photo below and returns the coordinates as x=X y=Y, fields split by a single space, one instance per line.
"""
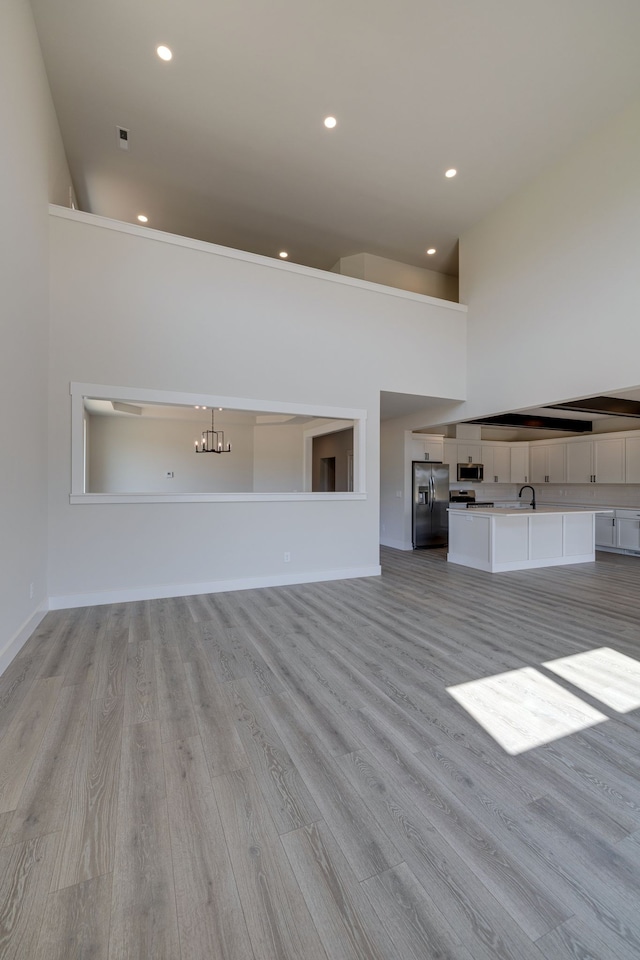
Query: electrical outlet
x=287 y=557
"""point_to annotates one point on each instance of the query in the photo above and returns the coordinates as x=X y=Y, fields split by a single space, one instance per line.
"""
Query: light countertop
x=539 y=511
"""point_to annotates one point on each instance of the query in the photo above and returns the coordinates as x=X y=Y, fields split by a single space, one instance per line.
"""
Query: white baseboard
x=489 y=567
x=16 y=643
x=212 y=586
x=396 y=544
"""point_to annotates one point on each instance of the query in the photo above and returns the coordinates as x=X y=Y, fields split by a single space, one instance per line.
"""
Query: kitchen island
x=495 y=539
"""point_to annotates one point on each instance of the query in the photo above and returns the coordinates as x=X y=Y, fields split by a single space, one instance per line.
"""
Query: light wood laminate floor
x=283 y=774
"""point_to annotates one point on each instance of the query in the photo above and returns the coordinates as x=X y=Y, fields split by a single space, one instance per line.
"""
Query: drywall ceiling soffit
x=619 y=410
x=227 y=143
x=529 y=421
x=606 y=406
x=396 y=405
x=161 y=411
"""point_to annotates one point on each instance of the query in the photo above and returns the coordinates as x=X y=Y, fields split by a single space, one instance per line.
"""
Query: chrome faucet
x=528 y=486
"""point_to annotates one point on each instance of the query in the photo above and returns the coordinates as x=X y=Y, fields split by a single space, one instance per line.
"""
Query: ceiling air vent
x=123 y=138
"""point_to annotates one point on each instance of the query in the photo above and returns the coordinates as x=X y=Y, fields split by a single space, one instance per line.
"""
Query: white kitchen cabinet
x=497 y=463
x=580 y=461
x=632 y=459
x=498 y=540
x=547 y=463
x=469 y=453
x=628 y=527
x=519 y=464
x=605 y=530
x=427 y=448
x=557 y=472
x=450 y=456
x=608 y=461
x=595 y=461
x=538 y=464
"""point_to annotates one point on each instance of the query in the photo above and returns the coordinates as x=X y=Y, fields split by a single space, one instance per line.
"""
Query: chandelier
x=212 y=440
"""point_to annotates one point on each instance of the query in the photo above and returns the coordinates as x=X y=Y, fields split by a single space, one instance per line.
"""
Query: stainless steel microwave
x=470 y=471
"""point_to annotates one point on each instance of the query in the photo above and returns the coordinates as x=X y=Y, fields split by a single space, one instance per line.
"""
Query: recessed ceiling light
x=164 y=53
x=283 y=254
x=197 y=407
x=330 y=122
x=142 y=218
x=450 y=173
x=431 y=251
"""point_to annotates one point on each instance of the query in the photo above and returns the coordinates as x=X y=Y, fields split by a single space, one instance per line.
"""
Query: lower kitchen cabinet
x=628 y=528
x=620 y=531
x=605 y=530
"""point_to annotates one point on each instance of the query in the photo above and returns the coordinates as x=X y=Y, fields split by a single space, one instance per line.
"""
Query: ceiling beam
x=612 y=406
x=531 y=422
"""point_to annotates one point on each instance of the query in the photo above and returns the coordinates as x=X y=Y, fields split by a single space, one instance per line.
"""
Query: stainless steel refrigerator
x=430 y=527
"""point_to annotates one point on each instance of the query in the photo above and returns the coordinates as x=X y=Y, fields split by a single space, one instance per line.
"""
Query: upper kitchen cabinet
x=450 y=453
x=547 y=463
x=469 y=453
x=519 y=463
x=497 y=463
x=580 y=461
x=596 y=461
x=632 y=457
x=427 y=447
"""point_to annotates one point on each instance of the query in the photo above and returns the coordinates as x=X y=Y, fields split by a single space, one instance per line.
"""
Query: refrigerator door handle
x=433 y=490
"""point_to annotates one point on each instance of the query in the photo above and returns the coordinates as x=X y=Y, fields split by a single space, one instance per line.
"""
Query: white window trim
x=99 y=391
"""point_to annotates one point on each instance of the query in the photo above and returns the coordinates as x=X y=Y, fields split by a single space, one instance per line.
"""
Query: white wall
x=32 y=170
x=552 y=281
x=393 y=532
x=367 y=266
x=150 y=311
x=278 y=457
x=133 y=455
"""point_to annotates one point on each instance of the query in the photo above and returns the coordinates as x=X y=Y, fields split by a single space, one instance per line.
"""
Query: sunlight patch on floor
x=606 y=675
x=523 y=709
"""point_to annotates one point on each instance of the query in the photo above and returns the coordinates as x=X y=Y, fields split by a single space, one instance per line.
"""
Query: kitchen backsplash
x=604 y=494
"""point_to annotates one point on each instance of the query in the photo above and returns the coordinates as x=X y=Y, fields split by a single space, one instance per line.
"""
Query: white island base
x=496 y=540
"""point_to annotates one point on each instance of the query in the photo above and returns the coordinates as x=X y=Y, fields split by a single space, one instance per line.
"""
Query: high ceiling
x=227 y=142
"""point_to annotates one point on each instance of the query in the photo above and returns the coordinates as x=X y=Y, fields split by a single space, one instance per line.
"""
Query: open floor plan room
x=438 y=763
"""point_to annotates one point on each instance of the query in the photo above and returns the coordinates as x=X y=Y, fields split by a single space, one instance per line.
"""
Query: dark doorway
x=332 y=462
x=328 y=474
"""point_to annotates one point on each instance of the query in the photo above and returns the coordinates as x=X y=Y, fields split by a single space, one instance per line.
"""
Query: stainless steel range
x=467 y=499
